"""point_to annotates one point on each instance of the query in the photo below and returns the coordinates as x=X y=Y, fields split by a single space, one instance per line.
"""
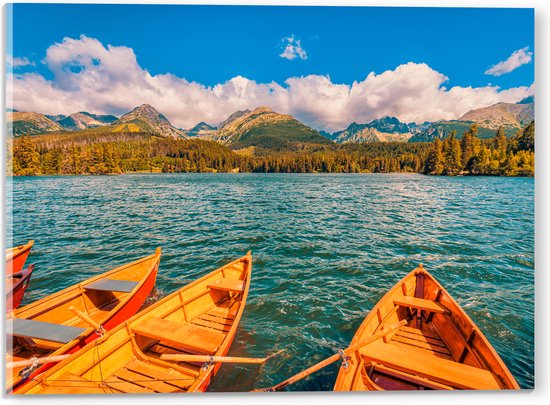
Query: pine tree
x=468 y=144
x=526 y=139
x=434 y=162
x=501 y=143
x=26 y=158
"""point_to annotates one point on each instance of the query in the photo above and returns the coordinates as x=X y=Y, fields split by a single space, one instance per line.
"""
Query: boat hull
x=199 y=319
x=17 y=284
x=437 y=347
x=126 y=306
x=16 y=257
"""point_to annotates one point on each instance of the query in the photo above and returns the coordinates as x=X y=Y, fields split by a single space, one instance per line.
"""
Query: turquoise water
x=325 y=249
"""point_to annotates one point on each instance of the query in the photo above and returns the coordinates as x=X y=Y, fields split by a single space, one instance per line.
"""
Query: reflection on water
x=325 y=249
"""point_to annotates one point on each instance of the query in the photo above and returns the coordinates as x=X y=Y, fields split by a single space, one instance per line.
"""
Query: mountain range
x=82 y=120
x=265 y=128
x=508 y=115
x=31 y=123
x=387 y=129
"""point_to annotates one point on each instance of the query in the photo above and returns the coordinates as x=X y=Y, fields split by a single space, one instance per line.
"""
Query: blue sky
x=213 y=44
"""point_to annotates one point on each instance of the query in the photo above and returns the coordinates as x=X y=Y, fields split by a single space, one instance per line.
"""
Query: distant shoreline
x=269 y=173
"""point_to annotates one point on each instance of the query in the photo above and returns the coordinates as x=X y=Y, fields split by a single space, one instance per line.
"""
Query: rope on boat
x=345 y=358
x=27 y=371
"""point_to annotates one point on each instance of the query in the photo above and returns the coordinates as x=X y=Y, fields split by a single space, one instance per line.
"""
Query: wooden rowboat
x=66 y=321
x=16 y=257
x=436 y=347
x=199 y=319
x=16 y=285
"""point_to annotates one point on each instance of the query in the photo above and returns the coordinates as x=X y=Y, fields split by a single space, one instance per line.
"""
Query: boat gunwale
x=13 y=252
x=202 y=381
x=80 y=287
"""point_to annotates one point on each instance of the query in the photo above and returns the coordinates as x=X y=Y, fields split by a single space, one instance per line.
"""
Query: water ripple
x=326 y=248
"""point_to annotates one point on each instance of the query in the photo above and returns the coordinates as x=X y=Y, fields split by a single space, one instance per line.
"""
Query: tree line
x=114 y=153
x=498 y=156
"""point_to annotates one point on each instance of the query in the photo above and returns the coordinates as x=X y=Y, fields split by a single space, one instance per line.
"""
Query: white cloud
x=516 y=59
x=87 y=76
x=293 y=49
x=16 y=62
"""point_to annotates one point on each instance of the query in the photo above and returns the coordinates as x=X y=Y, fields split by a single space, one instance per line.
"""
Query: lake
x=325 y=249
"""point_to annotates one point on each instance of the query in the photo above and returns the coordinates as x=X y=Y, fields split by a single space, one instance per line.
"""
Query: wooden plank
x=454 y=338
x=443 y=371
x=69 y=383
x=170 y=377
x=223 y=313
x=422 y=304
x=209 y=324
x=159 y=349
x=227 y=284
x=145 y=381
x=411 y=378
x=422 y=345
x=421 y=338
x=126 y=387
x=232 y=305
x=427 y=352
x=196 y=338
x=217 y=318
x=422 y=332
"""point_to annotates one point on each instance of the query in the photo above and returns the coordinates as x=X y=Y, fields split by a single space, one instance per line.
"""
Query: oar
x=192 y=358
x=87 y=319
x=332 y=359
x=39 y=360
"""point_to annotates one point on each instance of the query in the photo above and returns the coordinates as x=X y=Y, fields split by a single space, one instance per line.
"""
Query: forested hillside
x=95 y=151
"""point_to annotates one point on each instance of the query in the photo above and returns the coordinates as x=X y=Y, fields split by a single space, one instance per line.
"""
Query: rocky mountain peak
x=157 y=122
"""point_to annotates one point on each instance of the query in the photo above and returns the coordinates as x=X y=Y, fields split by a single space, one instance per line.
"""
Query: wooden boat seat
x=227 y=284
x=185 y=335
x=434 y=368
x=422 y=304
x=112 y=285
x=42 y=330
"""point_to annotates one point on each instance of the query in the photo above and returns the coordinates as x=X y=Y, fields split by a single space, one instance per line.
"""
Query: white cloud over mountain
x=516 y=59
x=87 y=76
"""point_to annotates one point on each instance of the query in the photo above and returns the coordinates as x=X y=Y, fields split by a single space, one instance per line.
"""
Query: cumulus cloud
x=88 y=76
x=516 y=59
x=293 y=49
x=16 y=62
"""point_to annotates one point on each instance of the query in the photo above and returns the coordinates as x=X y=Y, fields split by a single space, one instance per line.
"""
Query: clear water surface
x=325 y=250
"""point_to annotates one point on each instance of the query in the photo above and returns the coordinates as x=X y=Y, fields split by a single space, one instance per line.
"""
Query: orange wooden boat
x=199 y=319
x=66 y=321
x=16 y=257
x=438 y=347
x=16 y=285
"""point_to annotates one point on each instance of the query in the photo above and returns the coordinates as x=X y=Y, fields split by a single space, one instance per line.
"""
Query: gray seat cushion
x=42 y=330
